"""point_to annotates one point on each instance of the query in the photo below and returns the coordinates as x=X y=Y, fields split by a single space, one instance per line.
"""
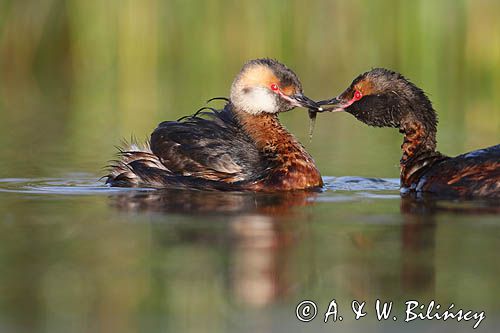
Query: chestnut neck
x=293 y=168
x=419 y=150
x=267 y=132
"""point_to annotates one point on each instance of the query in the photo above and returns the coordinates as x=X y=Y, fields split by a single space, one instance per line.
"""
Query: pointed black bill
x=329 y=104
x=305 y=101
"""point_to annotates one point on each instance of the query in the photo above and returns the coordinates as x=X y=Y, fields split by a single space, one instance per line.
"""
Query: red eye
x=274 y=87
x=357 y=95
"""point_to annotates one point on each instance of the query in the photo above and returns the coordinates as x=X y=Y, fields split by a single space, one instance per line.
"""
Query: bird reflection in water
x=397 y=257
x=262 y=231
x=193 y=202
x=418 y=234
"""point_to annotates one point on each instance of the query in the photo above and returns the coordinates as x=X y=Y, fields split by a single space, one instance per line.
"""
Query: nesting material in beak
x=312 y=107
x=333 y=105
x=312 y=121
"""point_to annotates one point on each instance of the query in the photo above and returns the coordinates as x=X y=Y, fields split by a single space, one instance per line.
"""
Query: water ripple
x=349 y=183
x=84 y=184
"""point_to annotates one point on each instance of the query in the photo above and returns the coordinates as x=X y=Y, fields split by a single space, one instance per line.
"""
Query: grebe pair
x=244 y=146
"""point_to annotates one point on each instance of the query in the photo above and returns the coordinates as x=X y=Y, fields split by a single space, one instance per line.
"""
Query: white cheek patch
x=258 y=100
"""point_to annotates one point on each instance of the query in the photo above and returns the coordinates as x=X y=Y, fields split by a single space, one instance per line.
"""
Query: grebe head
x=384 y=98
x=267 y=86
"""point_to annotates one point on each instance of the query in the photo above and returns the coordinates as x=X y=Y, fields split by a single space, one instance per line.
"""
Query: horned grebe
x=241 y=147
x=384 y=98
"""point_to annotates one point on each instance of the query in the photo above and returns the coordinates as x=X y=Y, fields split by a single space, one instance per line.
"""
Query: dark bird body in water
x=384 y=98
x=241 y=147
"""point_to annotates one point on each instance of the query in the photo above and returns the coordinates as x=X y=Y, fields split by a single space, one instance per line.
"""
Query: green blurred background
x=77 y=76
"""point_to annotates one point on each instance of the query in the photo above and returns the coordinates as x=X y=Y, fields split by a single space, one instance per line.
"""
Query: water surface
x=78 y=76
x=79 y=256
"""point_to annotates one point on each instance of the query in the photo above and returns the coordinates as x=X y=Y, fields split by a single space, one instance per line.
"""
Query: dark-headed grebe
x=241 y=147
x=384 y=98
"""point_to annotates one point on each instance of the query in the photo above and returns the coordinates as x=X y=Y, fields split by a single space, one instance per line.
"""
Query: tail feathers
x=137 y=165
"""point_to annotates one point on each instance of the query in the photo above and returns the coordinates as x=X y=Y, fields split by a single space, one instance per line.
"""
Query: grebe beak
x=334 y=105
x=305 y=101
